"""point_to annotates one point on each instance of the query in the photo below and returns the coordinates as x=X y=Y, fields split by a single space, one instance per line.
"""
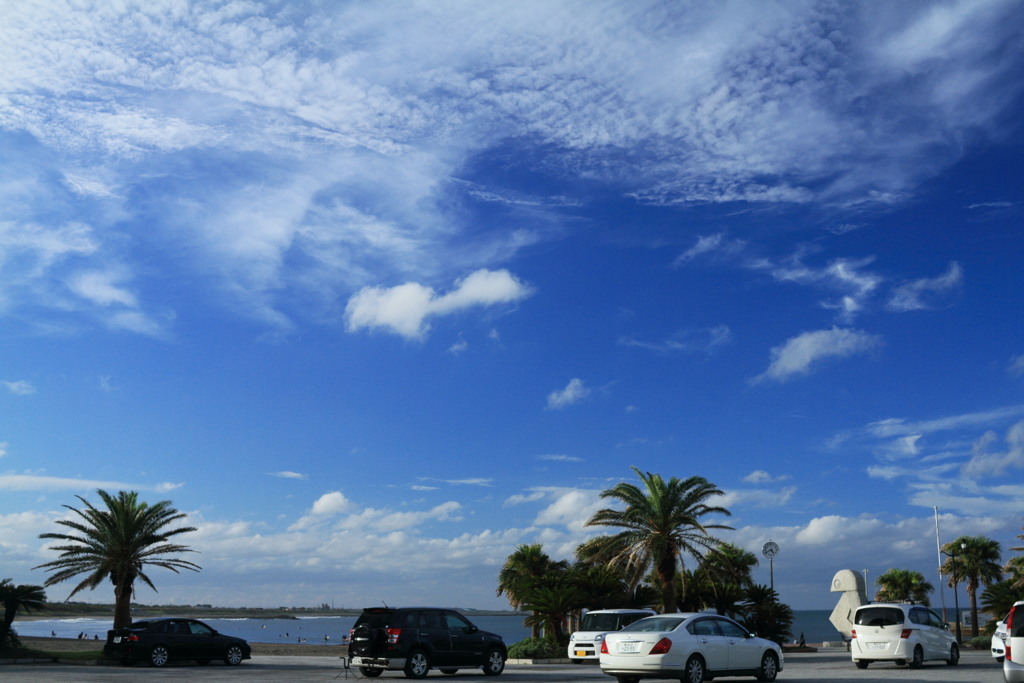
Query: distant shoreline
x=189 y=611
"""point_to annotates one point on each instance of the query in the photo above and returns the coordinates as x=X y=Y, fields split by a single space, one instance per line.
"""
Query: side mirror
x=471 y=629
x=751 y=635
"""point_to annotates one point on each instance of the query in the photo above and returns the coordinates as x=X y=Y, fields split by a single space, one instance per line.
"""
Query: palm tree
x=14 y=598
x=1015 y=567
x=662 y=524
x=977 y=562
x=898 y=585
x=118 y=542
x=766 y=616
x=550 y=599
x=730 y=563
x=999 y=597
x=527 y=563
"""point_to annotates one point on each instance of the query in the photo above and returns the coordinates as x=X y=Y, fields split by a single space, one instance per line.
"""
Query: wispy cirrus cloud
x=706 y=341
x=32 y=482
x=289 y=475
x=926 y=293
x=20 y=387
x=805 y=351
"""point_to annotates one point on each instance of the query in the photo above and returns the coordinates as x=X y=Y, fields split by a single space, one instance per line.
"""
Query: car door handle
x=703 y=640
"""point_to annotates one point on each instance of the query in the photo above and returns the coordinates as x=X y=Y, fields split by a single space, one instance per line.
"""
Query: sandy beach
x=276 y=649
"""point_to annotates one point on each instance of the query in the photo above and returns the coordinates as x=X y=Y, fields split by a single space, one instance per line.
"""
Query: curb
x=56 y=660
x=563 y=660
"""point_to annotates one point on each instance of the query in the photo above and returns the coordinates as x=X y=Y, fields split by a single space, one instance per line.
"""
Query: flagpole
x=938 y=549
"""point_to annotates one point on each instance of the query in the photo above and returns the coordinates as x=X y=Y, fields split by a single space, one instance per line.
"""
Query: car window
x=143 y=625
x=916 y=617
x=878 y=616
x=198 y=629
x=702 y=627
x=404 y=620
x=377 y=618
x=432 y=620
x=455 y=622
x=600 y=622
x=730 y=629
x=934 y=619
x=628 y=619
x=654 y=624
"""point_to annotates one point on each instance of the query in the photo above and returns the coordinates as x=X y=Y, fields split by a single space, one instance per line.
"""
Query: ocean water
x=814 y=624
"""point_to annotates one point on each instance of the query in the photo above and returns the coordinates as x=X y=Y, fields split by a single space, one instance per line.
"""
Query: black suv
x=416 y=639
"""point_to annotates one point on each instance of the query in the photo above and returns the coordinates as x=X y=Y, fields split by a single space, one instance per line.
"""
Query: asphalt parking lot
x=835 y=667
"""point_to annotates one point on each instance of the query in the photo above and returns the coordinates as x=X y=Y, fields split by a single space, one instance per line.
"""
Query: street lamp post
x=956 y=595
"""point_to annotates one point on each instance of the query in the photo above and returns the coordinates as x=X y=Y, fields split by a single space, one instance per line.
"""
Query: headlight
x=572 y=637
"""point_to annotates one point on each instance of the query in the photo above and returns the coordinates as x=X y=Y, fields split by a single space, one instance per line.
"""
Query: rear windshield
x=654 y=624
x=600 y=622
x=879 y=616
x=140 y=625
x=378 y=618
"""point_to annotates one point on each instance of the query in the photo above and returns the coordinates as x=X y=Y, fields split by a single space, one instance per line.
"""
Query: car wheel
x=694 y=670
x=417 y=665
x=202 y=662
x=127 y=661
x=448 y=672
x=769 y=667
x=1000 y=659
x=626 y=679
x=494 y=663
x=159 y=656
x=861 y=663
x=370 y=673
x=233 y=656
x=918 y=659
x=954 y=655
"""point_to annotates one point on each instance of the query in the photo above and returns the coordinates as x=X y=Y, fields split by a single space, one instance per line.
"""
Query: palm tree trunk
x=666 y=570
x=535 y=629
x=122 y=606
x=974 y=612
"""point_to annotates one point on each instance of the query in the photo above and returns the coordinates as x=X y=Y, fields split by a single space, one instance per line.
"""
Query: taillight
x=393 y=634
x=132 y=638
x=604 y=647
x=1009 y=633
x=663 y=646
x=906 y=633
x=854 y=633
x=350 y=632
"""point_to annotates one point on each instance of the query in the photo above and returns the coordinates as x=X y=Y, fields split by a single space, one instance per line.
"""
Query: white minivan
x=585 y=644
x=903 y=633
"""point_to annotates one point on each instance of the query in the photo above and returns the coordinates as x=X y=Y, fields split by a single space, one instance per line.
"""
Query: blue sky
x=376 y=292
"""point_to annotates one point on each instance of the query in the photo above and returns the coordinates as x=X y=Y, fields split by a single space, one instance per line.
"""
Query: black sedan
x=158 y=641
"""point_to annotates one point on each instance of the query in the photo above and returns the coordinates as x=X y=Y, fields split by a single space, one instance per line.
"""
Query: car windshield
x=654 y=624
x=879 y=616
x=600 y=622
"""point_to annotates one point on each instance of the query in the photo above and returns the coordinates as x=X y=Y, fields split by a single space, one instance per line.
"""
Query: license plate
x=581 y=653
x=629 y=647
x=117 y=639
x=877 y=646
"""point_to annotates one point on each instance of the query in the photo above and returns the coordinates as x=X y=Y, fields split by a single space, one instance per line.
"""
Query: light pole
x=956 y=595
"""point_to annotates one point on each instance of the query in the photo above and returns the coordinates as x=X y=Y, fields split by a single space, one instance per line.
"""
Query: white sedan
x=688 y=647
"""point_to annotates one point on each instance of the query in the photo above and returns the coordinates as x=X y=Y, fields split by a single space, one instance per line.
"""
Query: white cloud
x=707 y=340
x=846 y=276
x=100 y=288
x=571 y=508
x=888 y=472
x=898 y=426
x=20 y=387
x=926 y=293
x=983 y=463
x=557 y=457
x=289 y=475
x=574 y=392
x=760 y=498
x=900 y=448
x=403 y=309
x=799 y=354
x=28 y=482
x=1016 y=366
x=331 y=504
x=3 y=448
x=707 y=244
x=762 y=477
x=458 y=347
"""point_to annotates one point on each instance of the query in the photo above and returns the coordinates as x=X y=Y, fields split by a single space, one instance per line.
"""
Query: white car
x=585 y=644
x=999 y=641
x=1013 y=664
x=688 y=647
x=901 y=633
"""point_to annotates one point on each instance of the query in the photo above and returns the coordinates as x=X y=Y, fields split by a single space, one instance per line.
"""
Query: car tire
x=954 y=655
x=447 y=672
x=626 y=679
x=769 y=667
x=370 y=673
x=202 y=662
x=417 y=665
x=159 y=656
x=861 y=663
x=694 y=672
x=233 y=655
x=127 y=661
x=1000 y=659
x=494 y=662
x=918 y=659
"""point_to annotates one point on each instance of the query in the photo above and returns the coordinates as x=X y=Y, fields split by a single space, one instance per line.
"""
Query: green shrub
x=536 y=648
x=979 y=643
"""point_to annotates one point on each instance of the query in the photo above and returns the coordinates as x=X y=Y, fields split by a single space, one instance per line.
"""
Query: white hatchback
x=901 y=633
x=999 y=640
x=1013 y=663
x=585 y=644
x=688 y=647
